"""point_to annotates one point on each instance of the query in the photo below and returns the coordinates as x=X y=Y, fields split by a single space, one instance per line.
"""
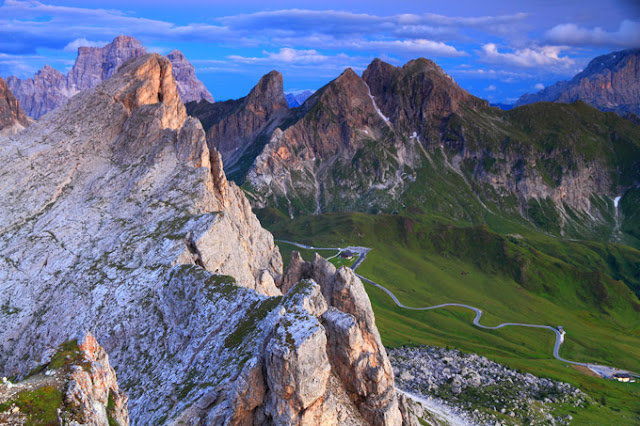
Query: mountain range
x=609 y=82
x=409 y=138
x=49 y=88
x=298 y=98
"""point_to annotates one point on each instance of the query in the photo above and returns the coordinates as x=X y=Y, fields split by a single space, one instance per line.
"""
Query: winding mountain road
x=602 y=370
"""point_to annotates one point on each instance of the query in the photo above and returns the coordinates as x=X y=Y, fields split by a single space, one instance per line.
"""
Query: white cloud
x=414 y=47
x=284 y=55
x=83 y=42
x=539 y=86
x=491 y=88
x=548 y=56
x=627 y=35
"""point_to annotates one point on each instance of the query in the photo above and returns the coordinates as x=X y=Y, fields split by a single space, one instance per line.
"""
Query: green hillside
x=587 y=287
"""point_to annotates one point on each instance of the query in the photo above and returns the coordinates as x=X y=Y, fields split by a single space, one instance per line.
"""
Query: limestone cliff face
x=354 y=348
x=109 y=196
x=189 y=87
x=12 y=117
x=50 y=89
x=239 y=129
x=78 y=383
x=609 y=82
x=118 y=218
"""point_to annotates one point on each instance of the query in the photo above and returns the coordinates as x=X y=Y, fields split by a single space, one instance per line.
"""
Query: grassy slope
x=534 y=278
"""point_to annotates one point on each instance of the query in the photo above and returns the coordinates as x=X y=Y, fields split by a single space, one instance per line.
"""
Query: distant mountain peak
x=609 y=82
x=50 y=88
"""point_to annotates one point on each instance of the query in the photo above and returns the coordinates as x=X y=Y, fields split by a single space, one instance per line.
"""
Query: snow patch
x=385 y=118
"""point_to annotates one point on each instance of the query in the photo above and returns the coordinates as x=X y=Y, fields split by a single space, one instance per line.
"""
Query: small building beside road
x=622 y=377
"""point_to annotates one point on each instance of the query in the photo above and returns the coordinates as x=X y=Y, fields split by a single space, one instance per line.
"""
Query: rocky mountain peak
x=268 y=94
x=417 y=96
x=423 y=65
x=239 y=128
x=95 y=64
x=123 y=42
x=148 y=80
x=12 y=117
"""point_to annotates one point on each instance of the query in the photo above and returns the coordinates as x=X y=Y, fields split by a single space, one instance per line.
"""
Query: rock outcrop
x=609 y=82
x=118 y=218
x=77 y=386
x=12 y=117
x=49 y=88
x=239 y=129
x=353 y=346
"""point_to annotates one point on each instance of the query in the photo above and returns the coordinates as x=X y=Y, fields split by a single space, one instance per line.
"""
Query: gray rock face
x=50 y=89
x=609 y=82
x=354 y=348
x=128 y=197
x=189 y=87
x=117 y=218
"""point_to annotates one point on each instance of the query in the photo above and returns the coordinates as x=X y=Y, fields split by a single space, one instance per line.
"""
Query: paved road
x=602 y=370
x=476 y=320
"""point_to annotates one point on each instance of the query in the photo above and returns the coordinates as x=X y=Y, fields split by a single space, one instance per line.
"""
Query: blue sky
x=497 y=50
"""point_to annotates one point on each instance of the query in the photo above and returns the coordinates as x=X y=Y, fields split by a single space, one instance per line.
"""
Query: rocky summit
x=118 y=219
x=239 y=129
x=12 y=117
x=609 y=82
x=49 y=88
